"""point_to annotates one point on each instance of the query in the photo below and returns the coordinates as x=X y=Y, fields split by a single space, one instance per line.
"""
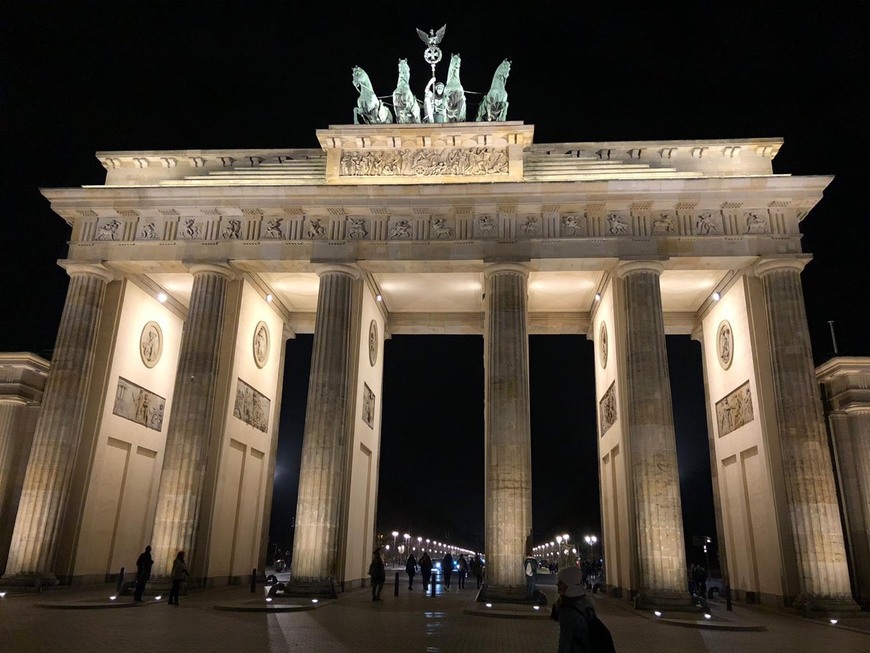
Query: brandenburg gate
x=190 y=269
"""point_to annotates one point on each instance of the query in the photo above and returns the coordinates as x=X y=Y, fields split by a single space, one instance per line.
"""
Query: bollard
x=253 y=581
x=728 y=598
x=396 y=588
x=120 y=582
x=434 y=578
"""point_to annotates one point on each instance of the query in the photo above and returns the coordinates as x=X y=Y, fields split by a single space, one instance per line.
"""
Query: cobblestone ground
x=409 y=622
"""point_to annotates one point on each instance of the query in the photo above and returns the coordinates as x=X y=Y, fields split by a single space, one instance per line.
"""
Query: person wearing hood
x=572 y=611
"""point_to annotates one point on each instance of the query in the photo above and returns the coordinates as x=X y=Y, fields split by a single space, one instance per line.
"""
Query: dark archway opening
x=431 y=463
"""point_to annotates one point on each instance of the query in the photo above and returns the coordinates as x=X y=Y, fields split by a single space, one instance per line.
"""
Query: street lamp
x=395 y=534
x=559 y=544
x=591 y=540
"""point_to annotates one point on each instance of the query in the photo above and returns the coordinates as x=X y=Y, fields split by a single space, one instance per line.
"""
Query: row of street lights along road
x=397 y=546
x=562 y=551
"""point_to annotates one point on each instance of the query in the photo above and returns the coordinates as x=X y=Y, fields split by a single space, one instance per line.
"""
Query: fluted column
x=316 y=542
x=507 y=431
x=191 y=420
x=823 y=577
x=58 y=428
x=661 y=553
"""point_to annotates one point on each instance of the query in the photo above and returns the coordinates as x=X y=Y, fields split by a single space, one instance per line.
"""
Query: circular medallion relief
x=373 y=343
x=151 y=344
x=602 y=339
x=261 y=344
x=725 y=344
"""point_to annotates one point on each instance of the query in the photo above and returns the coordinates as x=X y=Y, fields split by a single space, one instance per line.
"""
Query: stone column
x=191 y=420
x=317 y=540
x=507 y=433
x=823 y=576
x=661 y=556
x=58 y=430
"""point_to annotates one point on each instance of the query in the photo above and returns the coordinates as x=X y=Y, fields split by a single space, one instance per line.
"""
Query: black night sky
x=77 y=78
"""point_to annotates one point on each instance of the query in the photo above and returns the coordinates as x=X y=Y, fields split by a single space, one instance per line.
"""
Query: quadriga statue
x=405 y=105
x=369 y=107
x=494 y=106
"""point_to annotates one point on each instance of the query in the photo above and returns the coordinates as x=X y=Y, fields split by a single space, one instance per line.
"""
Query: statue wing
x=423 y=36
x=440 y=34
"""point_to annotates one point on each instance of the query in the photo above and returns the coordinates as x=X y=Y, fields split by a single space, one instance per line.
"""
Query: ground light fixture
x=314 y=600
x=158 y=597
x=834 y=622
x=113 y=597
x=657 y=613
x=489 y=605
x=707 y=615
x=2 y=594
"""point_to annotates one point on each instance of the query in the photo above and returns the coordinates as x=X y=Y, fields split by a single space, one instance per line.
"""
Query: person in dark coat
x=179 y=575
x=425 y=570
x=378 y=574
x=477 y=569
x=411 y=569
x=447 y=569
x=462 y=570
x=143 y=572
x=571 y=610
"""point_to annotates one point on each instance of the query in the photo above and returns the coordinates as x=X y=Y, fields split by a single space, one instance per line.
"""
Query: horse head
x=503 y=69
x=404 y=71
x=453 y=69
x=360 y=78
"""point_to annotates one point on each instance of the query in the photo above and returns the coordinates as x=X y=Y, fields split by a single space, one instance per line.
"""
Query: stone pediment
x=446 y=153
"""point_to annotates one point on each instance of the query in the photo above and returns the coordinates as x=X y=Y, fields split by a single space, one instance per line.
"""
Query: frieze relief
x=255 y=225
x=462 y=162
x=137 y=404
x=368 y=406
x=607 y=409
x=734 y=410
x=251 y=406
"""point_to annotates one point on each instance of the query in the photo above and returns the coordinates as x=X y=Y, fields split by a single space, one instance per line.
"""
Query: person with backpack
x=580 y=629
x=530 y=567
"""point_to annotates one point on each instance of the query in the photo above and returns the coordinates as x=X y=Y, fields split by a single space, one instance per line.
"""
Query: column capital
x=766 y=265
x=87 y=269
x=624 y=268
x=215 y=267
x=498 y=268
x=327 y=268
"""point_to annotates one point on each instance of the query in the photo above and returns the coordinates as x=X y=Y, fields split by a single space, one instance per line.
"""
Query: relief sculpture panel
x=135 y=403
x=474 y=161
x=607 y=409
x=734 y=410
x=252 y=406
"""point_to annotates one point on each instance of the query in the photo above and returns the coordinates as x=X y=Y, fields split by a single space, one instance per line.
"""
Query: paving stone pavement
x=408 y=623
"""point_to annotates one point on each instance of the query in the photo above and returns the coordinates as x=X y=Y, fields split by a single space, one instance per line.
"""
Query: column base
x=318 y=588
x=672 y=601
x=37 y=579
x=825 y=606
x=509 y=594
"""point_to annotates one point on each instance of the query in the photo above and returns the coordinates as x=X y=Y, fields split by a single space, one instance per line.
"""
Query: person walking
x=572 y=611
x=462 y=570
x=530 y=567
x=477 y=569
x=143 y=572
x=447 y=568
x=411 y=569
x=425 y=570
x=179 y=575
x=378 y=574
